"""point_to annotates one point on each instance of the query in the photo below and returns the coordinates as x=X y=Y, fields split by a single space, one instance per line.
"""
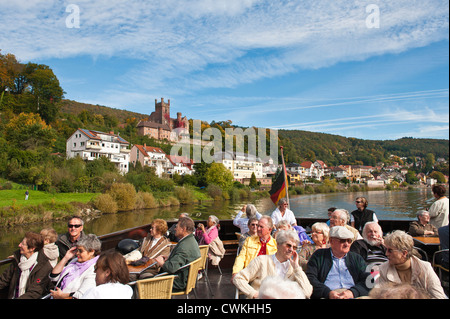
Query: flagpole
x=285 y=176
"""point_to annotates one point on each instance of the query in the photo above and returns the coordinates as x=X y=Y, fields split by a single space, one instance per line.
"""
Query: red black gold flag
x=279 y=187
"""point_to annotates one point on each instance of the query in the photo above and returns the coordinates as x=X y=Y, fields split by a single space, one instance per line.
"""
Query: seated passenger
x=242 y=222
x=252 y=227
x=73 y=280
x=405 y=268
x=50 y=249
x=319 y=235
x=210 y=236
x=337 y=273
x=371 y=247
x=111 y=278
x=283 y=264
x=261 y=244
x=422 y=226
x=340 y=217
x=282 y=212
x=185 y=252
x=284 y=225
x=27 y=275
x=154 y=245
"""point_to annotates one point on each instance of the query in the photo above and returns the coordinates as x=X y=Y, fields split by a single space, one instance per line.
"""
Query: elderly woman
x=207 y=235
x=242 y=222
x=320 y=237
x=283 y=213
x=283 y=264
x=422 y=226
x=210 y=236
x=27 y=275
x=405 y=268
x=111 y=277
x=154 y=245
x=73 y=280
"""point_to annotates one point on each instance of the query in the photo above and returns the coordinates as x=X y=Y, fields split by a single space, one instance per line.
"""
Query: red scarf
x=263 y=250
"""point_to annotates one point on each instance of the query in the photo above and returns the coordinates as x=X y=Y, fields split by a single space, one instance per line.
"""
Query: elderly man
x=185 y=252
x=371 y=247
x=284 y=264
x=261 y=244
x=283 y=213
x=71 y=238
x=336 y=272
x=340 y=217
x=422 y=226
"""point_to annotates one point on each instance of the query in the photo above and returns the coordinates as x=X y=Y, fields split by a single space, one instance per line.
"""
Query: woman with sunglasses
x=404 y=268
x=73 y=280
x=361 y=215
x=73 y=235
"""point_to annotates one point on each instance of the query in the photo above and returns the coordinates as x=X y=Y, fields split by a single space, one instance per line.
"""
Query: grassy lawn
x=7 y=197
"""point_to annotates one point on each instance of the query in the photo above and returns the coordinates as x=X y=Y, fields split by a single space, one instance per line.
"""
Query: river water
x=386 y=204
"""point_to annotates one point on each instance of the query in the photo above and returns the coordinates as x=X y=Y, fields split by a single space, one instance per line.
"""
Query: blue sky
x=308 y=65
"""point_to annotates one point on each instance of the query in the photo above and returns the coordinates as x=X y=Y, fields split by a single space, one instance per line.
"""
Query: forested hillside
x=36 y=121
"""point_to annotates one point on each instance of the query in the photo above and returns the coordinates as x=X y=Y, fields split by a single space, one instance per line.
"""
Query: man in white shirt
x=283 y=213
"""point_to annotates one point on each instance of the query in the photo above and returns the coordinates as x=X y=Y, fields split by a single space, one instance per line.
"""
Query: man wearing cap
x=336 y=272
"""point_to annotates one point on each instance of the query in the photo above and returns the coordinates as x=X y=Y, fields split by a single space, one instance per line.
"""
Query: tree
x=44 y=86
x=217 y=174
x=253 y=181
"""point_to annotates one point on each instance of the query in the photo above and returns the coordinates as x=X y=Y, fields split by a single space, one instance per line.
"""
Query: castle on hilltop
x=159 y=125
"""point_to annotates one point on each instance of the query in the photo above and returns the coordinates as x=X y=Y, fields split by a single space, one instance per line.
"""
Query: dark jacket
x=37 y=283
x=362 y=217
x=64 y=244
x=184 y=252
x=319 y=265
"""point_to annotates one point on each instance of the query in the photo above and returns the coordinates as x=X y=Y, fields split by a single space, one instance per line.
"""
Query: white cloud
x=211 y=41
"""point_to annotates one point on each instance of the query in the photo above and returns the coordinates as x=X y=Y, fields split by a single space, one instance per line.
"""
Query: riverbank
x=44 y=206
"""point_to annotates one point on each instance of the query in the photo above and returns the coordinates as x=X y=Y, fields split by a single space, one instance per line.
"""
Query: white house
x=90 y=145
x=180 y=165
x=241 y=165
x=150 y=156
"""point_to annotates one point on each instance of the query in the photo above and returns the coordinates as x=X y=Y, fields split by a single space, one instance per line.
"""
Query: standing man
x=27 y=193
x=71 y=238
x=185 y=252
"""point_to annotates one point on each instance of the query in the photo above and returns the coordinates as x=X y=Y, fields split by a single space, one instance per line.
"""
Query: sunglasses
x=74 y=226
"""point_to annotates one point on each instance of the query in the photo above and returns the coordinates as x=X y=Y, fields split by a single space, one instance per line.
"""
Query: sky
x=366 y=69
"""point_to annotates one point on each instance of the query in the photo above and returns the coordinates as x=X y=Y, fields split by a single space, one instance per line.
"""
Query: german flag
x=279 y=187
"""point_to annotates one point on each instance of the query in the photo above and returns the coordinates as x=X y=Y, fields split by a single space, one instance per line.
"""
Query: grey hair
x=250 y=211
x=282 y=201
x=421 y=212
x=91 y=243
x=214 y=219
x=285 y=235
x=366 y=227
x=343 y=214
x=274 y=287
